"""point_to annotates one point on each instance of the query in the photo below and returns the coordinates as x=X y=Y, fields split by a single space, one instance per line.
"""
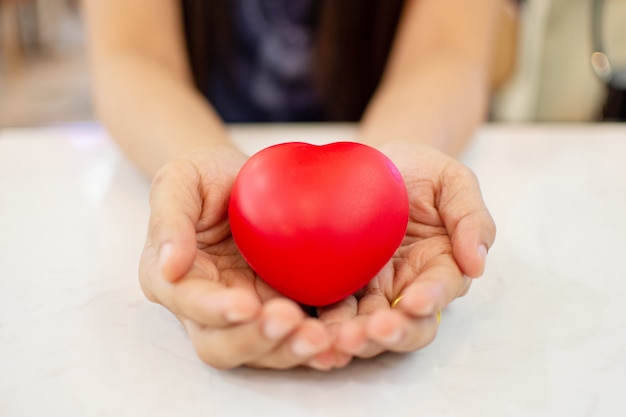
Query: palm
x=420 y=249
x=424 y=269
x=426 y=244
x=218 y=258
x=191 y=265
x=426 y=241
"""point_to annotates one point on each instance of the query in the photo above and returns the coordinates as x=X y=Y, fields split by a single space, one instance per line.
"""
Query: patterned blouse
x=271 y=76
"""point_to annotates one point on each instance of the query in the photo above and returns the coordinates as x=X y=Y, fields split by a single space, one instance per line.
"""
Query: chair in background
x=553 y=79
x=609 y=55
x=29 y=27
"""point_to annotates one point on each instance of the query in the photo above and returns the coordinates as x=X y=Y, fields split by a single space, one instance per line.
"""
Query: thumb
x=469 y=224
x=175 y=207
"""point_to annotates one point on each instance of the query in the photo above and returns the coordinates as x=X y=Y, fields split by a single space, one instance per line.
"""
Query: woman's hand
x=190 y=265
x=447 y=239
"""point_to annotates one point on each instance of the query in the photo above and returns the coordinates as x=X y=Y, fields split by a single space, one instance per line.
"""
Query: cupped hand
x=449 y=233
x=191 y=265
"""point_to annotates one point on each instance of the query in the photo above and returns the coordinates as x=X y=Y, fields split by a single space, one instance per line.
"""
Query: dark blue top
x=270 y=78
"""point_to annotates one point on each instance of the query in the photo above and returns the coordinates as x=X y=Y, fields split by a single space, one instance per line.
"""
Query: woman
x=425 y=90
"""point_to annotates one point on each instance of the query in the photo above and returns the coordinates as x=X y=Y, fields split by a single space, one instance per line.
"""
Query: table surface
x=542 y=333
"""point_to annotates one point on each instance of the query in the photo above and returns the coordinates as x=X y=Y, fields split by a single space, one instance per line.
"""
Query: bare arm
x=436 y=85
x=143 y=89
x=190 y=264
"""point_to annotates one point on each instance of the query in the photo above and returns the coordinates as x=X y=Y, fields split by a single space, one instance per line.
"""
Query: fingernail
x=237 y=316
x=276 y=329
x=303 y=348
x=392 y=338
x=428 y=309
x=360 y=348
x=482 y=252
x=165 y=253
x=318 y=365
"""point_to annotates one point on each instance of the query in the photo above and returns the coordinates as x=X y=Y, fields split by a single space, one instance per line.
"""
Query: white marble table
x=543 y=333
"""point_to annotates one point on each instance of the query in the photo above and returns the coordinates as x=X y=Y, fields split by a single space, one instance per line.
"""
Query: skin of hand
x=449 y=233
x=191 y=265
x=439 y=65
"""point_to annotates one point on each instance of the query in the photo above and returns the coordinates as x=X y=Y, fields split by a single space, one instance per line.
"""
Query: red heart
x=318 y=222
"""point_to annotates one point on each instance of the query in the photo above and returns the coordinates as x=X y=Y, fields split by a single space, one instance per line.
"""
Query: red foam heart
x=318 y=222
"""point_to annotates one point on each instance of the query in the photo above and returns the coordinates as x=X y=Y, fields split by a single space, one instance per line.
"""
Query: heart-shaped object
x=317 y=223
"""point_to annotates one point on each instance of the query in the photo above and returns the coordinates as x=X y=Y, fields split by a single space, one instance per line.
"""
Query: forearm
x=440 y=104
x=435 y=89
x=142 y=86
x=152 y=113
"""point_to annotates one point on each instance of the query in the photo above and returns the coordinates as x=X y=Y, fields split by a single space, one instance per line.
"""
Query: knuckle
x=175 y=174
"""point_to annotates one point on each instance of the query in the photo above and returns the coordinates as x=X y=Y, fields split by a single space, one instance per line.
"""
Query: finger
x=440 y=282
x=206 y=301
x=368 y=347
x=371 y=300
x=338 y=312
x=334 y=317
x=201 y=296
x=466 y=286
x=350 y=336
x=340 y=359
x=395 y=332
x=469 y=224
x=309 y=340
x=240 y=344
x=175 y=210
x=328 y=360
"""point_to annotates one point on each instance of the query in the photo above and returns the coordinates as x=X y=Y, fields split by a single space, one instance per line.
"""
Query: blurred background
x=43 y=71
x=44 y=74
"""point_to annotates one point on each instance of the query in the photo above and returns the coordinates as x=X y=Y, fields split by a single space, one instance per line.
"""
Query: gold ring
x=396 y=301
